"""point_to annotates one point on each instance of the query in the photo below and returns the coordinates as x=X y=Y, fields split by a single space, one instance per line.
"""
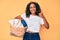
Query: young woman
x=34 y=19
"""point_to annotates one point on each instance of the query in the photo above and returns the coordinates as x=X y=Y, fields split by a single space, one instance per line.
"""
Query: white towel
x=16 y=23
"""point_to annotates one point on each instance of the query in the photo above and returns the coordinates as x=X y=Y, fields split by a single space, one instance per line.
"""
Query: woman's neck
x=33 y=14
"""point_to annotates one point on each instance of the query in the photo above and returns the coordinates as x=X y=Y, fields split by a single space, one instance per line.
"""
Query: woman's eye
x=31 y=7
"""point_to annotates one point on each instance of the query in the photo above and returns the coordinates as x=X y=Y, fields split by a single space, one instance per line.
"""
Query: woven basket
x=17 y=27
x=16 y=31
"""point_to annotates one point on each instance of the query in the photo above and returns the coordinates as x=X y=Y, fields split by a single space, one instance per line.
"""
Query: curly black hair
x=38 y=9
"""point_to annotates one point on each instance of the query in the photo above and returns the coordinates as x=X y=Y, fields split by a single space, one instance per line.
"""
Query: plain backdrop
x=12 y=8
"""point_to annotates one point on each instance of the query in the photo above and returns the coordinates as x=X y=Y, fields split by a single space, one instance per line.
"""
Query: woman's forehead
x=31 y=5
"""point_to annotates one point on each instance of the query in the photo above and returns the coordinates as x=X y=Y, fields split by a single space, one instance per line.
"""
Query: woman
x=34 y=19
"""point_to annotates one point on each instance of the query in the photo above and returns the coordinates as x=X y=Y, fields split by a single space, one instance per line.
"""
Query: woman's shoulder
x=38 y=17
x=23 y=15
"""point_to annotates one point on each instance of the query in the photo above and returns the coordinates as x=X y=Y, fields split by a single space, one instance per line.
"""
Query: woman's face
x=32 y=9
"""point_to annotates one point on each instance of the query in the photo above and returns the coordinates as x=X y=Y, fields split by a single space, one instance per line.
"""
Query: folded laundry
x=24 y=23
x=18 y=23
x=18 y=27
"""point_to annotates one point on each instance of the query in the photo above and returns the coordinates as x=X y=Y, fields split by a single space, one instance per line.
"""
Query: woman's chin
x=32 y=12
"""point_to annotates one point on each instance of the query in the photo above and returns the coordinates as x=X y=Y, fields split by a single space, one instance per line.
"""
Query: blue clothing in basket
x=24 y=23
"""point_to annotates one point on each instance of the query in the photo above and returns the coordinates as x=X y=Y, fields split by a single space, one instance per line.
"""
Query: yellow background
x=11 y=8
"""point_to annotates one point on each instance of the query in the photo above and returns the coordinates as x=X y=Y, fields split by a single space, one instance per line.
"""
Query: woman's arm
x=46 y=24
x=18 y=17
x=22 y=20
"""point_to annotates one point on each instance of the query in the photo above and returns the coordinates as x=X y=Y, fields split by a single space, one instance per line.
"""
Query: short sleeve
x=23 y=15
x=41 y=21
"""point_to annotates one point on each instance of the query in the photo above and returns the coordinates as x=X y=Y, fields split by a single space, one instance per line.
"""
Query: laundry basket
x=17 y=27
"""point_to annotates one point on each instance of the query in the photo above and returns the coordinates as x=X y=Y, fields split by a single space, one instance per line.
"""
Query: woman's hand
x=46 y=24
x=19 y=17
